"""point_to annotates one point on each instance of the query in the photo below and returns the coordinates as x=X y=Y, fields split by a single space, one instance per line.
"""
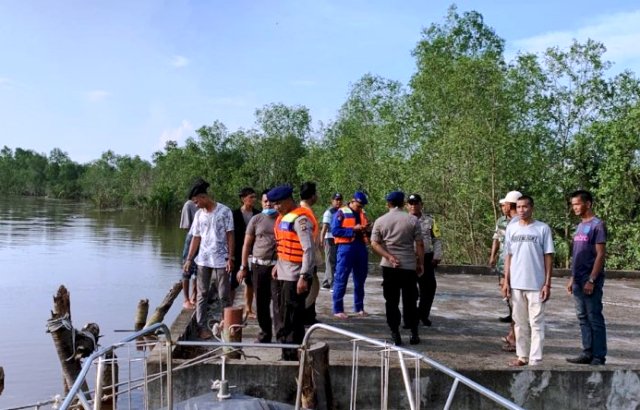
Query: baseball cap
x=414 y=198
x=337 y=195
x=395 y=196
x=360 y=197
x=511 y=197
x=280 y=193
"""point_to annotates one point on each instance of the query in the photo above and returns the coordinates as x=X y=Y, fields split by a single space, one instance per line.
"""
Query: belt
x=263 y=262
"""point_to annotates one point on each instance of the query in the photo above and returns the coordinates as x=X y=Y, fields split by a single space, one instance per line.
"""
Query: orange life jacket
x=287 y=240
x=349 y=221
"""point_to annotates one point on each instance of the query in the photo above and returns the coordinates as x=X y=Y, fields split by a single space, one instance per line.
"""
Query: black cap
x=414 y=198
x=337 y=195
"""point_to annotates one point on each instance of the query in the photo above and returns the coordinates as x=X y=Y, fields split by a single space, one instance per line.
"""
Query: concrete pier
x=465 y=336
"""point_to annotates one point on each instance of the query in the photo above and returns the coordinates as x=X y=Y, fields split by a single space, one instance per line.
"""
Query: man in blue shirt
x=587 y=280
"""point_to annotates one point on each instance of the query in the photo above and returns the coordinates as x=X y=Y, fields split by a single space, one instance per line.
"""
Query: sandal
x=508 y=347
x=518 y=363
x=341 y=315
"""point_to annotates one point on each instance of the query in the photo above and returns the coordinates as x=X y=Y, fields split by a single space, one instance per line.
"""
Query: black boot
x=415 y=338
x=395 y=336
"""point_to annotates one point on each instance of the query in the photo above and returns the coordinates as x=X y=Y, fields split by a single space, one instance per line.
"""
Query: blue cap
x=360 y=197
x=395 y=196
x=279 y=193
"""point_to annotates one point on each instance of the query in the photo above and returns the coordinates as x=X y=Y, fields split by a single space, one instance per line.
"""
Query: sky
x=89 y=76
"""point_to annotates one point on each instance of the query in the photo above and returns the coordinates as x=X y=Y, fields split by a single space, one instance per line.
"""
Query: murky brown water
x=107 y=260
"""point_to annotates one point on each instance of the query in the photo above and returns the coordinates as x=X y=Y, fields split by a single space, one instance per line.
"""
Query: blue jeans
x=592 y=326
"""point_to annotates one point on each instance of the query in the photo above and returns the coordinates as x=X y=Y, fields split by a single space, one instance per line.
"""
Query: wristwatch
x=591 y=281
x=242 y=267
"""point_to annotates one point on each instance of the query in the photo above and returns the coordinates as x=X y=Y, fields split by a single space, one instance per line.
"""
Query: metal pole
x=169 y=375
x=97 y=401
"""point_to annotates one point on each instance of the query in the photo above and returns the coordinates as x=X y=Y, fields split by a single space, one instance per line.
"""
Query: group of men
x=278 y=251
x=522 y=253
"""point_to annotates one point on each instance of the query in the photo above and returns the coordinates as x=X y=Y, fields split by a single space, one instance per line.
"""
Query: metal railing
x=413 y=395
x=386 y=351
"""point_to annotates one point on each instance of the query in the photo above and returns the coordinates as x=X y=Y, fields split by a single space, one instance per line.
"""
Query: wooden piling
x=316 y=382
x=71 y=345
x=141 y=314
x=1 y=380
x=163 y=308
x=231 y=332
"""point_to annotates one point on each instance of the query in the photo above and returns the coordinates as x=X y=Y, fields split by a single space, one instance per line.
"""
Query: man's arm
x=548 y=268
x=231 y=246
x=304 y=230
x=495 y=247
x=247 y=246
x=193 y=248
x=419 y=256
x=337 y=230
x=437 y=244
x=506 y=284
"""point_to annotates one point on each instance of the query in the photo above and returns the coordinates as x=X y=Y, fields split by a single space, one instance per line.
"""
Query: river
x=107 y=260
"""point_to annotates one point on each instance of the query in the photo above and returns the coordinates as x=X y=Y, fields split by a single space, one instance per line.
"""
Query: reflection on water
x=107 y=261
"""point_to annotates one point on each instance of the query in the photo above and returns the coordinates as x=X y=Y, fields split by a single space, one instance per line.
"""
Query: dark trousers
x=264 y=292
x=592 y=324
x=292 y=307
x=427 y=285
x=395 y=281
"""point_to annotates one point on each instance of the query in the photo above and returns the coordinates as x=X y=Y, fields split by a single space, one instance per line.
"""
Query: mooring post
x=141 y=314
x=232 y=328
x=1 y=379
x=316 y=382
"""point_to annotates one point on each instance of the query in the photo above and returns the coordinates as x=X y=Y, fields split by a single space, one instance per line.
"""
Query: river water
x=107 y=260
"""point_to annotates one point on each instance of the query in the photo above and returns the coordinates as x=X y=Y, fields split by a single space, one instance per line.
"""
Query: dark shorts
x=233 y=280
x=193 y=269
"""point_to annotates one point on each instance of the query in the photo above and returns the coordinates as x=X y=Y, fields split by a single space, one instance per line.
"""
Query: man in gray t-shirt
x=397 y=237
x=527 y=270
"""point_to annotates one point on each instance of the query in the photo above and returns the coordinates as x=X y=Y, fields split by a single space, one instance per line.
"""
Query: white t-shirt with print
x=212 y=228
x=527 y=245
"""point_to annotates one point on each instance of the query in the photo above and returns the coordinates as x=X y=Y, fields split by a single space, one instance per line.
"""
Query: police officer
x=432 y=257
x=348 y=227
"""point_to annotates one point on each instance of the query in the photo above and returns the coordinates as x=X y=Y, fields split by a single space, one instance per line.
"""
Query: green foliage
x=468 y=128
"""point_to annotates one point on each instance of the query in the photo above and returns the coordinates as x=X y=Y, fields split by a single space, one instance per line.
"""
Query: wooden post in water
x=71 y=345
x=141 y=314
x=1 y=380
x=163 y=308
x=316 y=383
x=109 y=381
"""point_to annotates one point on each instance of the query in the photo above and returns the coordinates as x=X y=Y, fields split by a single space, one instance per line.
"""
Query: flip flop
x=518 y=363
x=341 y=315
x=508 y=347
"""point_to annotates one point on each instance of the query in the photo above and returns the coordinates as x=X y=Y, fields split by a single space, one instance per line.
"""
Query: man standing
x=587 y=280
x=308 y=197
x=212 y=232
x=527 y=270
x=295 y=249
x=189 y=210
x=348 y=228
x=260 y=249
x=496 y=260
x=432 y=257
x=241 y=218
x=397 y=237
x=329 y=244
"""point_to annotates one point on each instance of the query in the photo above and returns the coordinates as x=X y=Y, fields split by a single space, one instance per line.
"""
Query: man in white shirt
x=212 y=232
x=527 y=270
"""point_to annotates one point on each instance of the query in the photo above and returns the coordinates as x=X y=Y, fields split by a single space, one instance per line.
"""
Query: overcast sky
x=88 y=76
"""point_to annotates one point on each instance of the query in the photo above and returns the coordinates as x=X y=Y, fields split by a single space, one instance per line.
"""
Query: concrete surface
x=465 y=336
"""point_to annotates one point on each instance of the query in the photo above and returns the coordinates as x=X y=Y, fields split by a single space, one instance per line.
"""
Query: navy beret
x=360 y=197
x=395 y=196
x=279 y=193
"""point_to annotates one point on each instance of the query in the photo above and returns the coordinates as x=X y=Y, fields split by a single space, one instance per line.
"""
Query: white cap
x=511 y=197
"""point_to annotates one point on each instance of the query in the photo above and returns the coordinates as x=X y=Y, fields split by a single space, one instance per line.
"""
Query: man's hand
x=186 y=266
x=588 y=288
x=302 y=285
x=357 y=228
x=395 y=262
x=229 y=265
x=419 y=270
x=274 y=273
x=570 y=286
x=506 y=289
x=492 y=262
x=242 y=273
x=545 y=293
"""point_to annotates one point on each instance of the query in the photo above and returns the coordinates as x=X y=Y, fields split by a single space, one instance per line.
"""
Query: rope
x=55 y=324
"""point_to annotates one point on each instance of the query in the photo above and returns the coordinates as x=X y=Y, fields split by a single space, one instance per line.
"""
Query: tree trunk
x=161 y=311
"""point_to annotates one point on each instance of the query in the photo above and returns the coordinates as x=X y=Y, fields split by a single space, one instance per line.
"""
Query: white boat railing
x=164 y=347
